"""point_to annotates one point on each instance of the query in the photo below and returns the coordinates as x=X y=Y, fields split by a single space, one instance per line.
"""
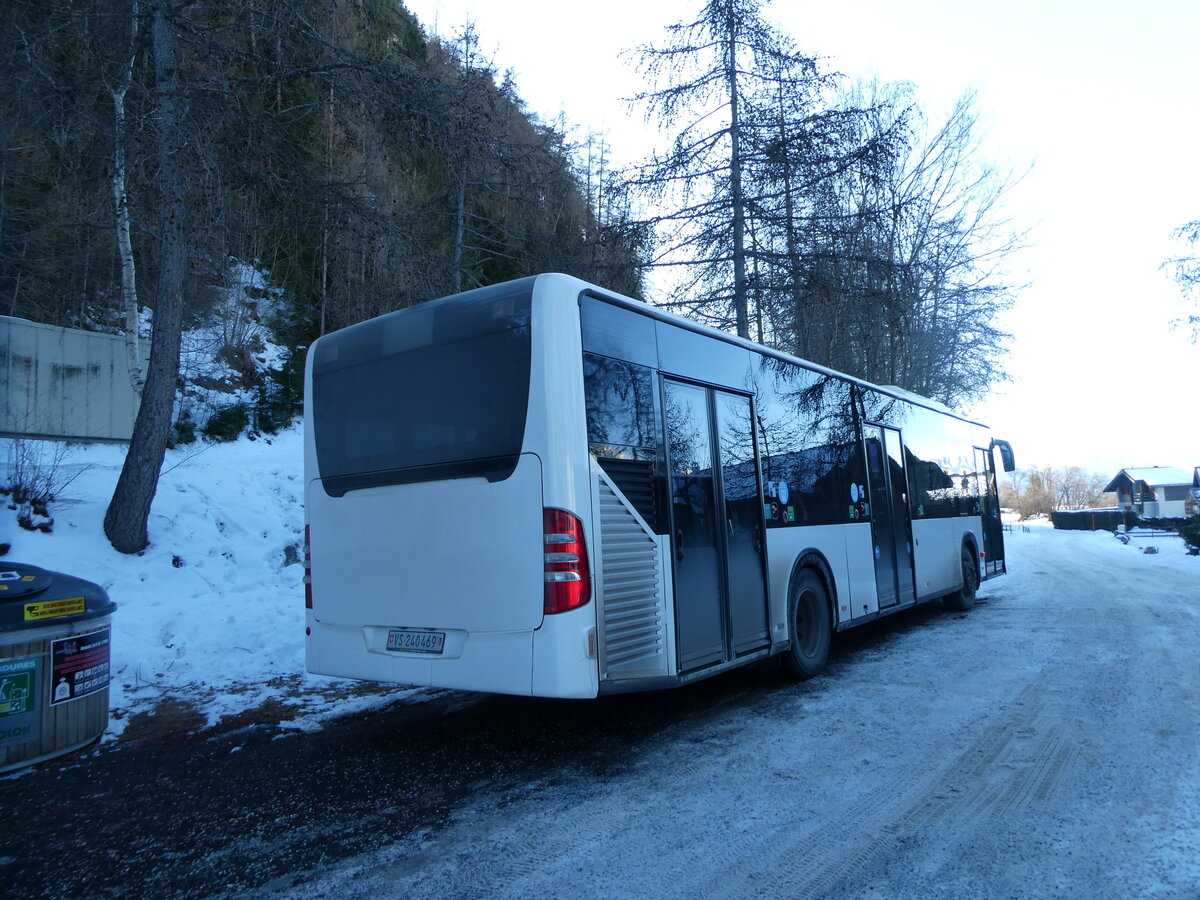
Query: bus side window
x=622 y=429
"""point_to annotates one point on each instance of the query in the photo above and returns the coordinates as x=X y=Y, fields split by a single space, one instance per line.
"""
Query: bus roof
x=673 y=319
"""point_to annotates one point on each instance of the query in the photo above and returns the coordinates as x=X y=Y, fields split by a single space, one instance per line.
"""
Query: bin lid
x=32 y=597
x=20 y=579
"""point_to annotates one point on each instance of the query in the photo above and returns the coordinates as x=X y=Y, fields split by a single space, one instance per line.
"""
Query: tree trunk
x=799 y=313
x=129 y=297
x=460 y=219
x=740 y=303
x=129 y=510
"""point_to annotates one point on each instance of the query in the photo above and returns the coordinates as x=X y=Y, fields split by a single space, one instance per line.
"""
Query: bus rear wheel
x=810 y=625
x=963 y=599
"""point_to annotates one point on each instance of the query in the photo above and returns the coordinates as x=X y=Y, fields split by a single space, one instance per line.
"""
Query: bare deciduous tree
x=1040 y=491
x=129 y=296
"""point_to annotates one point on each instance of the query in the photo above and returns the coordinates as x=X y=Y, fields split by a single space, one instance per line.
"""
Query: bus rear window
x=436 y=391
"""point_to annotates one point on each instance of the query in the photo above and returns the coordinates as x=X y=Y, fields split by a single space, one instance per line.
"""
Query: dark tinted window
x=623 y=430
x=931 y=488
x=620 y=406
x=811 y=459
x=942 y=480
x=436 y=391
x=615 y=331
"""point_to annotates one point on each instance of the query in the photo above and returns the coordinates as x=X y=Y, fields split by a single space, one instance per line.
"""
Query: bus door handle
x=679 y=544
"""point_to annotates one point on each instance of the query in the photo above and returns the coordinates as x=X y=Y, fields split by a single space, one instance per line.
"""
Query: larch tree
x=704 y=77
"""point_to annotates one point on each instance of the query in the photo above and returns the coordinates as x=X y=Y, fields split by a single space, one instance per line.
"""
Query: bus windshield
x=435 y=391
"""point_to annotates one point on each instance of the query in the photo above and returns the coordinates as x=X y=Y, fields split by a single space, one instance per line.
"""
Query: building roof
x=1154 y=476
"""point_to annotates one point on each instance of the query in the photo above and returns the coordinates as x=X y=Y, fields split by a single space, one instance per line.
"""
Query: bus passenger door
x=716 y=525
x=891 y=525
x=989 y=511
x=745 y=529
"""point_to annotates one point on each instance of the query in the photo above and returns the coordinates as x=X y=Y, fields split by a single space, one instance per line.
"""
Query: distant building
x=1154 y=491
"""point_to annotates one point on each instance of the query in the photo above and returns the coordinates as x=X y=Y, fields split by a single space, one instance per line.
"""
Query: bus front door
x=891 y=526
x=716 y=525
x=989 y=511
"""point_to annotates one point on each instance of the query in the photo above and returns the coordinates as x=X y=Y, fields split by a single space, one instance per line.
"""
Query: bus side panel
x=938 y=553
x=557 y=426
x=557 y=431
x=564 y=662
x=784 y=547
x=863 y=594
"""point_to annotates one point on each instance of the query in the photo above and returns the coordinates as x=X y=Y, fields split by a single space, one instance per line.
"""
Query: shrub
x=37 y=474
x=185 y=431
x=226 y=423
x=1189 y=530
x=273 y=408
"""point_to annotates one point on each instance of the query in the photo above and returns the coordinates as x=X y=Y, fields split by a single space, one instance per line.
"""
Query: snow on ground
x=1040 y=745
x=212 y=612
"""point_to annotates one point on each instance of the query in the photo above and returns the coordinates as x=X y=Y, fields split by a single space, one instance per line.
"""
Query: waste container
x=55 y=637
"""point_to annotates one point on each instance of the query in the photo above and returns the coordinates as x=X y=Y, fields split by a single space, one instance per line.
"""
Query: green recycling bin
x=55 y=641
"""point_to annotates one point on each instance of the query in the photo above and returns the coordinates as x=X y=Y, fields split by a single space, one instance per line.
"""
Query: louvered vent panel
x=634 y=634
x=634 y=478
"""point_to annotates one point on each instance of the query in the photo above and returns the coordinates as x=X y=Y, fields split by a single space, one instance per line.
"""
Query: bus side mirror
x=1006 y=455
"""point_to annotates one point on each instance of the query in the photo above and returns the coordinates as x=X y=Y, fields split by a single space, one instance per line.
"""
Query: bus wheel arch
x=810 y=617
x=964 y=598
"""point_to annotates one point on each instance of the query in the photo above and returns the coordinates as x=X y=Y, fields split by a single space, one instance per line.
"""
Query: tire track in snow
x=1019 y=761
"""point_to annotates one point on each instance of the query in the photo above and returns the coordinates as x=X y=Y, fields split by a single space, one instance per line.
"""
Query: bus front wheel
x=810 y=625
x=963 y=599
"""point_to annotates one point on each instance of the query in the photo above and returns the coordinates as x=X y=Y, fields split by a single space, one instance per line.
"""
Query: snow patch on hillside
x=212 y=612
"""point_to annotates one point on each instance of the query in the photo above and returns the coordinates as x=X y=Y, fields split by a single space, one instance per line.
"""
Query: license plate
x=416 y=641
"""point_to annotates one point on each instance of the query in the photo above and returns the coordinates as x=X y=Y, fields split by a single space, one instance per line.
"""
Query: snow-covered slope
x=212 y=612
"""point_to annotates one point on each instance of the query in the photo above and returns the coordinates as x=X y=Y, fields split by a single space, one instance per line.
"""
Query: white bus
x=543 y=488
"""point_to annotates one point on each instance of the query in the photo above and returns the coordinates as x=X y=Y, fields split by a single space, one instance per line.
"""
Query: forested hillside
x=282 y=168
x=330 y=144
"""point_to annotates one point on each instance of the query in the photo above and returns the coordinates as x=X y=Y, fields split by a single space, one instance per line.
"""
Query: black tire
x=964 y=598
x=810 y=626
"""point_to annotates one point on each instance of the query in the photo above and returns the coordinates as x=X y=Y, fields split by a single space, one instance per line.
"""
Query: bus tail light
x=568 y=579
x=307 y=572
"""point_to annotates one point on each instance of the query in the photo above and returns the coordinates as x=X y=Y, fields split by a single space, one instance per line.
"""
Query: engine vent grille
x=634 y=622
x=634 y=478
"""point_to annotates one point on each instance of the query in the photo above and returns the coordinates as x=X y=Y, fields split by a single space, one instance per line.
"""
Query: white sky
x=1099 y=95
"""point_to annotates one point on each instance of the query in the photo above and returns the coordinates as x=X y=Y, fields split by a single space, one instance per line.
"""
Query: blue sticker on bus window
x=784 y=493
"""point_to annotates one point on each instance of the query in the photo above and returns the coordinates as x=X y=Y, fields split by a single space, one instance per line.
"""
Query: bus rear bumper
x=499 y=662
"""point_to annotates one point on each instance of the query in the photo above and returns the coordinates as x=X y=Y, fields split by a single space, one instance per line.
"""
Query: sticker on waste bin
x=51 y=609
x=78 y=666
x=20 y=721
